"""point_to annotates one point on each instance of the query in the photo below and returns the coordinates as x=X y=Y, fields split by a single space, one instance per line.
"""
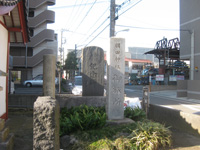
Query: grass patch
x=87 y=125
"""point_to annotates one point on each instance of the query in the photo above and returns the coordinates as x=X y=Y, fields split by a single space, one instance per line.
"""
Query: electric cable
x=97 y=35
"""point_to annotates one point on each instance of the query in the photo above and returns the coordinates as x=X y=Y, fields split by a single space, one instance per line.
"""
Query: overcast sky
x=86 y=22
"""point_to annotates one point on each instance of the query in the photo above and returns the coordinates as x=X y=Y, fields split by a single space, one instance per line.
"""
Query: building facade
x=28 y=59
x=190 y=47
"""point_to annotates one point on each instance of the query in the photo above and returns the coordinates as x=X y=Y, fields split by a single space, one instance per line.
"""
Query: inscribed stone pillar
x=93 y=71
x=49 y=68
x=115 y=76
x=46 y=127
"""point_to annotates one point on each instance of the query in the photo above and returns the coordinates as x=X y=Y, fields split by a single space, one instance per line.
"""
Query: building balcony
x=47 y=16
x=33 y=4
x=20 y=61
x=45 y=35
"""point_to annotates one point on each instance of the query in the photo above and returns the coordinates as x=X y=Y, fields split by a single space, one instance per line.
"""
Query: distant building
x=28 y=59
x=138 y=53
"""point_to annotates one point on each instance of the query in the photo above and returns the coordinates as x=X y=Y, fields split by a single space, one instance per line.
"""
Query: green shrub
x=81 y=118
x=149 y=135
x=135 y=114
x=144 y=135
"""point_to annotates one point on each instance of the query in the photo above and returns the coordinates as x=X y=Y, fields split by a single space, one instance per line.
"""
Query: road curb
x=187 y=122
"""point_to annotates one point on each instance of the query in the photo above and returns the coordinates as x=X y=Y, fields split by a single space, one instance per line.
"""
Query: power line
x=130 y=7
x=96 y=29
x=76 y=15
x=97 y=35
x=71 y=13
x=95 y=24
x=63 y=7
x=85 y=16
x=150 y=28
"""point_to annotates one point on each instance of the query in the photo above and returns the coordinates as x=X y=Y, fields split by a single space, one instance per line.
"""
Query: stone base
x=119 y=121
x=46 y=124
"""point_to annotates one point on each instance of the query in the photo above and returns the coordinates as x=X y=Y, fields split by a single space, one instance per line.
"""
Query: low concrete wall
x=177 y=119
x=65 y=100
x=193 y=89
x=162 y=87
x=182 y=88
x=21 y=101
x=69 y=101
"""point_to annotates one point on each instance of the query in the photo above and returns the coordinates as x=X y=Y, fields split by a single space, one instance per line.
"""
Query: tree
x=71 y=64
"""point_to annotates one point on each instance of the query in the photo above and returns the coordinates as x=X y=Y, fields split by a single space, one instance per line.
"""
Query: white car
x=77 y=89
x=38 y=80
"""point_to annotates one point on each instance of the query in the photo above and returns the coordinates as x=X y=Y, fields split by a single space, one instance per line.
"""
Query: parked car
x=77 y=87
x=38 y=80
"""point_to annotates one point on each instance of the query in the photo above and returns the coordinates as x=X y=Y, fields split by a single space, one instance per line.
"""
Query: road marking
x=129 y=90
x=175 y=99
x=167 y=106
x=191 y=107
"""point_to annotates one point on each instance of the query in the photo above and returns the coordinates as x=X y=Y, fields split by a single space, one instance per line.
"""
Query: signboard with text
x=160 y=77
x=180 y=77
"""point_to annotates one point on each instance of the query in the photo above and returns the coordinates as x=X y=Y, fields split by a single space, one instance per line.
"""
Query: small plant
x=149 y=135
x=144 y=135
x=135 y=114
x=81 y=118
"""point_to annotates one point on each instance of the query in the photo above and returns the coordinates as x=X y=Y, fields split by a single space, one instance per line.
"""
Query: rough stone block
x=4 y=134
x=93 y=71
x=2 y=123
x=46 y=124
x=8 y=144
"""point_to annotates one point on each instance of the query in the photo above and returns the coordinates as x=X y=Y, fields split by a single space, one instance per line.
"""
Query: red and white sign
x=160 y=77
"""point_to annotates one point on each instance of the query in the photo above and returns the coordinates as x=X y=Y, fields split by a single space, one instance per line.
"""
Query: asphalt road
x=163 y=98
x=166 y=99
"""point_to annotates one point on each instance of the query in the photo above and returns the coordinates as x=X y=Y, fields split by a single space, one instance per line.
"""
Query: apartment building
x=190 y=46
x=28 y=59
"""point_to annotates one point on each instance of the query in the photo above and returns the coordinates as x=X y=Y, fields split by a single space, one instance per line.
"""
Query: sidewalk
x=182 y=103
x=178 y=112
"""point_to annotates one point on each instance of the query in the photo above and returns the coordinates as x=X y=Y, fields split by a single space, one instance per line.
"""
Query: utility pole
x=112 y=18
x=62 y=52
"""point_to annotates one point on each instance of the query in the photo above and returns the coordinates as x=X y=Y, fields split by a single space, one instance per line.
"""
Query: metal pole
x=192 y=57
x=112 y=18
x=26 y=56
x=59 y=72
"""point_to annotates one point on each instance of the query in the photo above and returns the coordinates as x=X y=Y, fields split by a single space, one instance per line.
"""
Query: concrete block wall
x=6 y=139
x=176 y=119
x=182 y=88
x=189 y=89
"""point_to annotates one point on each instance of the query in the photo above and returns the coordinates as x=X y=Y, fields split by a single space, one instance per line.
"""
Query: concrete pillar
x=49 y=68
x=46 y=127
x=115 y=76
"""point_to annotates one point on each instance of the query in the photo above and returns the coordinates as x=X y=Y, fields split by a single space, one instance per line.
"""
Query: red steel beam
x=15 y=29
x=11 y=15
x=22 y=21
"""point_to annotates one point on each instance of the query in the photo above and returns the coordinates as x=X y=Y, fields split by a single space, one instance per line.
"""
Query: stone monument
x=46 y=111
x=115 y=76
x=93 y=71
x=46 y=124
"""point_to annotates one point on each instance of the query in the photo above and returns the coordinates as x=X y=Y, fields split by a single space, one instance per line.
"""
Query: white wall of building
x=3 y=67
x=38 y=70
